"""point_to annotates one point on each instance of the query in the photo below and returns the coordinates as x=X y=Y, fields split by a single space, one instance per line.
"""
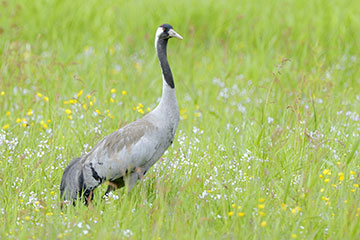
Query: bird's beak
x=174 y=34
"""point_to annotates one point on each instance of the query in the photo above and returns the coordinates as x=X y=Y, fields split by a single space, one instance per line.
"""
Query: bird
x=124 y=156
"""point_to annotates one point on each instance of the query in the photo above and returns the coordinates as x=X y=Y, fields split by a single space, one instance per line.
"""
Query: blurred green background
x=268 y=91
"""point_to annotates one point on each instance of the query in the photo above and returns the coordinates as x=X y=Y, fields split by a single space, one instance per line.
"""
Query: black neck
x=165 y=67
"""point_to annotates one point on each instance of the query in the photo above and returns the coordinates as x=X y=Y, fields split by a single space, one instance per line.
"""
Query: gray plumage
x=125 y=155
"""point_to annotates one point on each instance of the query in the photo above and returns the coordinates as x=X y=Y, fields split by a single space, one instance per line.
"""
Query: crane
x=124 y=156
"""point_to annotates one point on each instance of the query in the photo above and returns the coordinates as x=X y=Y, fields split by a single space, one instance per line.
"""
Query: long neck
x=168 y=102
x=165 y=67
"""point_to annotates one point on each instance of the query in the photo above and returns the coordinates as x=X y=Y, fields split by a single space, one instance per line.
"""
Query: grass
x=267 y=147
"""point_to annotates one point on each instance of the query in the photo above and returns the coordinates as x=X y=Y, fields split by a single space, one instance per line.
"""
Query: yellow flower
x=27 y=218
x=49 y=214
x=68 y=111
x=327 y=172
x=45 y=126
x=71 y=101
x=52 y=192
x=293 y=236
x=327 y=180
x=111 y=100
x=46 y=98
x=25 y=125
x=6 y=126
x=320 y=176
x=123 y=92
x=69 y=117
x=80 y=93
x=88 y=96
x=261 y=200
x=261 y=213
x=241 y=214
x=356 y=185
x=233 y=205
x=283 y=206
x=91 y=103
x=341 y=176
x=183 y=113
x=66 y=102
x=140 y=105
x=8 y=113
x=263 y=224
x=230 y=214
x=148 y=109
x=18 y=120
x=352 y=190
x=261 y=206
x=322 y=190
x=352 y=172
x=30 y=112
x=39 y=95
x=293 y=211
x=141 y=111
x=84 y=106
x=98 y=111
x=49 y=121
x=2 y=93
x=113 y=90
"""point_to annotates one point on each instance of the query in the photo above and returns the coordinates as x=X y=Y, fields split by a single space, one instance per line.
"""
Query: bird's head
x=164 y=32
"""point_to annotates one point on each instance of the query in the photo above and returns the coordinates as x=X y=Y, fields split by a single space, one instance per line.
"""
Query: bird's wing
x=121 y=152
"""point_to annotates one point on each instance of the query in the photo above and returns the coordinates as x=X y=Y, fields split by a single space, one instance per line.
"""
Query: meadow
x=268 y=142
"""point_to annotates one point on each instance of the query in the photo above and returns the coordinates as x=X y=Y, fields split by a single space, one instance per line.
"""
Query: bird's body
x=125 y=155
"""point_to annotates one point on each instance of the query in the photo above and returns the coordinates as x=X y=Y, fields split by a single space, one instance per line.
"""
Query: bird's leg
x=89 y=198
x=113 y=185
x=133 y=179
